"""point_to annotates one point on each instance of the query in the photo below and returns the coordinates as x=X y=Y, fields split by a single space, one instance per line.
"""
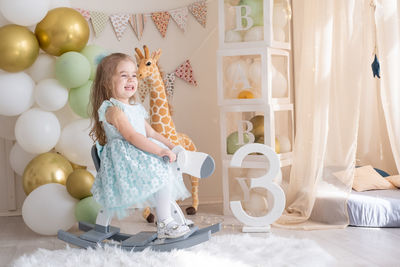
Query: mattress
x=374 y=208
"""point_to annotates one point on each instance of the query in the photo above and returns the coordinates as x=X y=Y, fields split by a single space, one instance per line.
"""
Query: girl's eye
x=148 y=63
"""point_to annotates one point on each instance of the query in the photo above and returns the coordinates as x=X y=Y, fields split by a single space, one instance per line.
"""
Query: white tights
x=163 y=203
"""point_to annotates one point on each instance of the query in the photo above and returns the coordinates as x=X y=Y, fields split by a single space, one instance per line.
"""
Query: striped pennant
x=137 y=22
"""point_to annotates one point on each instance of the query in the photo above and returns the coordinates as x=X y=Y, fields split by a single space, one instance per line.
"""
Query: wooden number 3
x=265 y=181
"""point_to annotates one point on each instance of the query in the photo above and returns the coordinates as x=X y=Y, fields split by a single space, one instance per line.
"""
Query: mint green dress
x=129 y=177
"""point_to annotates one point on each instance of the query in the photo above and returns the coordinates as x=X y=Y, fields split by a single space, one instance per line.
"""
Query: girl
x=132 y=171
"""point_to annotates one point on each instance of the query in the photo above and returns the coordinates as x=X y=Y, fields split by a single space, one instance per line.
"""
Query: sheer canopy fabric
x=335 y=94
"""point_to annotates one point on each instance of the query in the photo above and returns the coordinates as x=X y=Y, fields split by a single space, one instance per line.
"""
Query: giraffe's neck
x=160 y=116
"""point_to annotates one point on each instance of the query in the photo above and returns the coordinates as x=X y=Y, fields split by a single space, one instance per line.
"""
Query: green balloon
x=233 y=140
x=256 y=11
x=86 y=210
x=94 y=54
x=79 y=98
x=72 y=69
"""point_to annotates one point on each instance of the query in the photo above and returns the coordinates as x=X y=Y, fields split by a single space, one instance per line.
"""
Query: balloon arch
x=44 y=98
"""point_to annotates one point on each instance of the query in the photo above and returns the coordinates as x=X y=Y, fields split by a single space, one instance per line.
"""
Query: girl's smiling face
x=124 y=81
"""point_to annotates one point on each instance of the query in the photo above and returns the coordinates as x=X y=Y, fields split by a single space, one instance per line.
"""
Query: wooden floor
x=351 y=246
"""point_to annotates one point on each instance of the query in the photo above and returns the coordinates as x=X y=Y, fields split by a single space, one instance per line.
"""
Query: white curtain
x=388 y=46
x=335 y=94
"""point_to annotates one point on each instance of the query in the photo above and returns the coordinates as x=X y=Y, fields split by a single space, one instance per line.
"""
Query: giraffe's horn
x=146 y=51
x=139 y=53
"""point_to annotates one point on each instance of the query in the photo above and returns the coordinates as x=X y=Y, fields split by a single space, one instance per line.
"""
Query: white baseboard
x=10 y=213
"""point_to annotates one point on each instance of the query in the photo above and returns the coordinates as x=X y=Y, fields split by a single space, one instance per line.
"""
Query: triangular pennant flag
x=169 y=81
x=84 y=13
x=137 y=22
x=185 y=72
x=180 y=16
x=119 y=22
x=161 y=19
x=199 y=11
x=143 y=89
x=99 y=21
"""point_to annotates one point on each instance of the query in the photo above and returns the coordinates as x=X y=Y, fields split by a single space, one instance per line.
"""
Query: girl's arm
x=155 y=135
x=119 y=120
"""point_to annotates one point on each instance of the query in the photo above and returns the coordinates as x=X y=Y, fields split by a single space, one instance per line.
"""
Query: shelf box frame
x=268 y=7
x=266 y=54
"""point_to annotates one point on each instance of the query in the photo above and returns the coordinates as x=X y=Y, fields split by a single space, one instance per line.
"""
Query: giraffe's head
x=147 y=65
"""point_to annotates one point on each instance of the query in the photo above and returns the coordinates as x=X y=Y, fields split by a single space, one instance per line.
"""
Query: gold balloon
x=76 y=166
x=258 y=125
x=19 y=48
x=79 y=183
x=62 y=30
x=260 y=140
x=44 y=169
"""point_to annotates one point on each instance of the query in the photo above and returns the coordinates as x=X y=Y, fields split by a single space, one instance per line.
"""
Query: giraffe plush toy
x=160 y=115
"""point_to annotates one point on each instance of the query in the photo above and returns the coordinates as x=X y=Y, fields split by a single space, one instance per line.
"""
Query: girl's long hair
x=102 y=89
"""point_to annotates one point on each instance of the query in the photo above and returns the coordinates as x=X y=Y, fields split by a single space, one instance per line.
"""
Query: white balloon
x=37 y=131
x=7 y=127
x=280 y=18
x=75 y=143
x=236 y=68
x=255 y=73
x=284 y=143
x=16 y=93
x=255 y=33
x=279 y=34
x=24 y=12
x=279 y=84
x=59 y=3
x=44 y=67
x=257 y=204
x=49 y=208
x=19 y=158
x=66 y=115
x=232 y=36
x=50 y=95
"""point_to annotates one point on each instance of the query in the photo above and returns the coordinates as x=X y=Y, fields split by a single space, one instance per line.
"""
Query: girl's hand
x=171 y=155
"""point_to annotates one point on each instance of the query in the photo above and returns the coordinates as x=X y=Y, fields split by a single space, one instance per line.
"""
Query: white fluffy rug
x=222 y=250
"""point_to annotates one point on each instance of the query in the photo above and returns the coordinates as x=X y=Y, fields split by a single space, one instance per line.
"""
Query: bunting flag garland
x=119 y=23
x=199 y=11
x=137 y=22
x=169 y=82
x=143 y=90
x=185 y=72
x=84 y=13
x=180 y=16
x=99 y=21
x=161 y=19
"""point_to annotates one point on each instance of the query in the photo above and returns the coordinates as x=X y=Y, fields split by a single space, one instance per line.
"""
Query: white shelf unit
x=253 y=76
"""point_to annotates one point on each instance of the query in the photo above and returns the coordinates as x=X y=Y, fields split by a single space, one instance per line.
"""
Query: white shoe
x=169 y=228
